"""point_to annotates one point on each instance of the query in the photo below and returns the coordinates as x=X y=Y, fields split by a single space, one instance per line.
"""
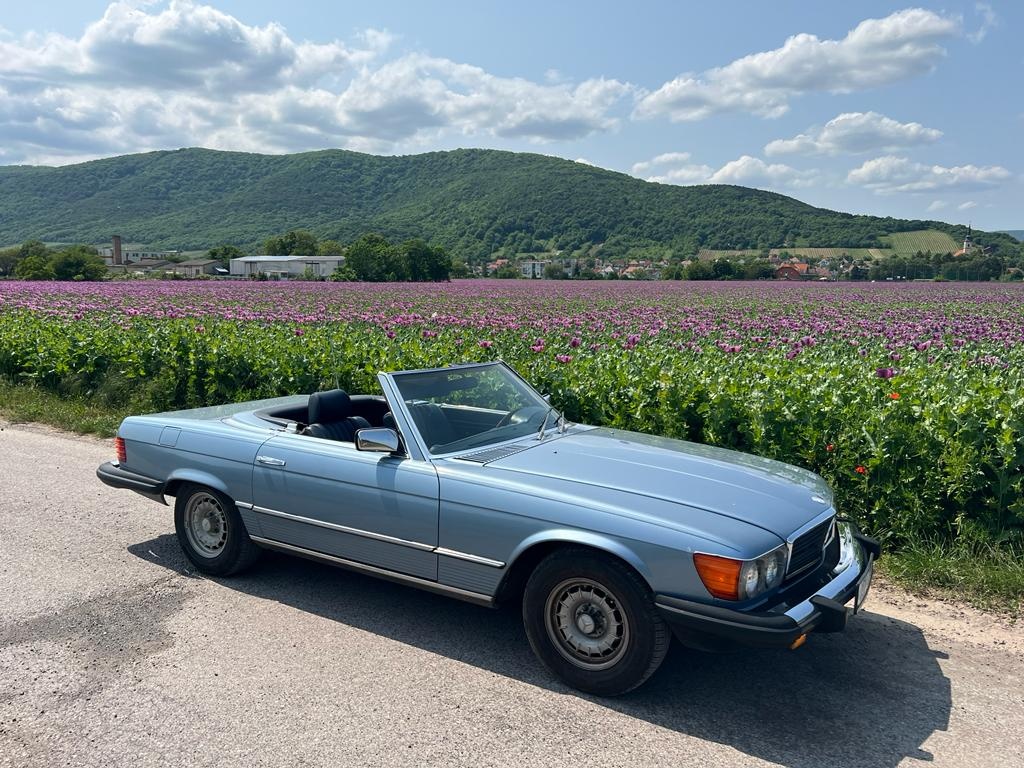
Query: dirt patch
x=949 y=619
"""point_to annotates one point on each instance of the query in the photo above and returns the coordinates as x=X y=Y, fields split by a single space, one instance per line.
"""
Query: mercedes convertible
x=465 y=481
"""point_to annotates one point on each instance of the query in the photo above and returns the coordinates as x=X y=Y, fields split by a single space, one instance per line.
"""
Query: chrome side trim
x=400 y=578
x=243 y=504
x=469 y=558
x=346 y=529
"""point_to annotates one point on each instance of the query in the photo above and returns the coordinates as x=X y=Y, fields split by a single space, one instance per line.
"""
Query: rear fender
x=197 y=476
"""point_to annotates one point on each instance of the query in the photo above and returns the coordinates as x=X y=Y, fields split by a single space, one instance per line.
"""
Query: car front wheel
x=591 y=620
x=211 y=531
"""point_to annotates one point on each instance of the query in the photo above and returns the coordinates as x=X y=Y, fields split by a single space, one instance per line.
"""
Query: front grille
x=808 y=549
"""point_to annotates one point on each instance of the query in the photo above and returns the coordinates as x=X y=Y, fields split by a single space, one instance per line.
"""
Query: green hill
x=472 y=201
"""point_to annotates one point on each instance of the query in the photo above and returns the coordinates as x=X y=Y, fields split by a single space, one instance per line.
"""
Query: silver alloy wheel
x=206 y=525
x=586 y=623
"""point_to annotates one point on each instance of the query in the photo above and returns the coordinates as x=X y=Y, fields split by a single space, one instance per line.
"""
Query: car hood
x=769 y=494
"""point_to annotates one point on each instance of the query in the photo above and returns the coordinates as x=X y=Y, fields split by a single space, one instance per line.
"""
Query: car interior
x=336 y=415
x=333 y=414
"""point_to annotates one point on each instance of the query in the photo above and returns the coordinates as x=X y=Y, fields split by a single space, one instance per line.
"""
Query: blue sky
x=884 y=108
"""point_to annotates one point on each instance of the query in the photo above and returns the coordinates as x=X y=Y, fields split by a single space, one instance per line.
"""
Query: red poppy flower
x=894 y=395
x=860 y=470
x=830 y=447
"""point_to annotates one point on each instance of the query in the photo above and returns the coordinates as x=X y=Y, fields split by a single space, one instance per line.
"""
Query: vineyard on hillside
x=923 y=240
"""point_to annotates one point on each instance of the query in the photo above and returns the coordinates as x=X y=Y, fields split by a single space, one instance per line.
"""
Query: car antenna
x=334 y=360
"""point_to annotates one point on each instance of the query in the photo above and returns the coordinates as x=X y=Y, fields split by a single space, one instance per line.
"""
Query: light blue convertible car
x=465 y=481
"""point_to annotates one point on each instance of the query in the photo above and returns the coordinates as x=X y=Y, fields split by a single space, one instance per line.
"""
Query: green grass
x=21 y=404
x=986 y=576
x=922 y=240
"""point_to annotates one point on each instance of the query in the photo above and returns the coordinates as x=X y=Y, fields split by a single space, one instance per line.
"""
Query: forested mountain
x=472 y=201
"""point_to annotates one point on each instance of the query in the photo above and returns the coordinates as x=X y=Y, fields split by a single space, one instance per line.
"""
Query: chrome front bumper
x=826 y=610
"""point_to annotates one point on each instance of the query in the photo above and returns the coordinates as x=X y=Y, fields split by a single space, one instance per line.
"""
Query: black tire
x=628 y=639
x=223 y=550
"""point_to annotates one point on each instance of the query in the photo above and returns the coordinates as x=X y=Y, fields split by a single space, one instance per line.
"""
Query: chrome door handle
x=270 y=461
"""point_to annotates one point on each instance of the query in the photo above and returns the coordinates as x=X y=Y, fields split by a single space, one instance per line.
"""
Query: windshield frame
x=396 y=399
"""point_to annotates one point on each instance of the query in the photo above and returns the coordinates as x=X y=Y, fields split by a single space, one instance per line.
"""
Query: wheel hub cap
x=586 y=624
x=206 y=525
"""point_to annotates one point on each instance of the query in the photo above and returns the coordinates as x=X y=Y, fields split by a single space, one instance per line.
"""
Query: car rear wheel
x=591 y=620
x=211 y=531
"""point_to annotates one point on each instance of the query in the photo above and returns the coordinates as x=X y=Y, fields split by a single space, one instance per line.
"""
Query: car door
x=328 y=497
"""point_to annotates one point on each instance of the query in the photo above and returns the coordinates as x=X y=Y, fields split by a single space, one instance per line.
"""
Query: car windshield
x=463 y=408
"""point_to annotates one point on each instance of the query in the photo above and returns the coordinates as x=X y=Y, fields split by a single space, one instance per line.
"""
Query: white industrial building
x=285 y=267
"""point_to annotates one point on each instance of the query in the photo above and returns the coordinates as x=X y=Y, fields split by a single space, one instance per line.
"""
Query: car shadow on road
x=868 y=697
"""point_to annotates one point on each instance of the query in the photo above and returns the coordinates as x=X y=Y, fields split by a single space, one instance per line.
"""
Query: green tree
x=343 y=273
x=330 y=248
x=699 y=270
x=374 y=259
x=758 y=270
x=722 y=269
x=8 y=261
x=33 y=248
x=297 y=242
x=460 y=269
x=554 y=271
x=79 y=262
x=425 y=263
x=34 y=268
x=507 y=272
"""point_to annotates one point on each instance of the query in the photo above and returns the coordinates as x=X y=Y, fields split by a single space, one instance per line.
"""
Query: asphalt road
x=113 y=653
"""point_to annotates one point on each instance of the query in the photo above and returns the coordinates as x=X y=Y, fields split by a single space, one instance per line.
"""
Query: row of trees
x=374 y=258
x=719 y=269
x=928 y=266
x=33 y=260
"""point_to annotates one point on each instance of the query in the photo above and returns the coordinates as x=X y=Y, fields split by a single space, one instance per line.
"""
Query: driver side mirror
x=378 y=440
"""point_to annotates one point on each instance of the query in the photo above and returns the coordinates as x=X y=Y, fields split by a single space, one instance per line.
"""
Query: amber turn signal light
x=122 y=454
x=798 y=642
x=720 y=575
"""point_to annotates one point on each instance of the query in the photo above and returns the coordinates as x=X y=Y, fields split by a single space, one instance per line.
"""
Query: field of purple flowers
x=908 y=398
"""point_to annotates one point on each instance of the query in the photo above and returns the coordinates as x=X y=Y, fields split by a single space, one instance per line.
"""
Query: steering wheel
x=519 y=415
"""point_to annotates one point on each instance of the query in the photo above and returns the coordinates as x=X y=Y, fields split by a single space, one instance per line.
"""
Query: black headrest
x=325 y=407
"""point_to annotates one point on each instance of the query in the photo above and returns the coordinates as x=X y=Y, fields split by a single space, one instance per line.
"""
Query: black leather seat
x=432 y=424
x=330 y=416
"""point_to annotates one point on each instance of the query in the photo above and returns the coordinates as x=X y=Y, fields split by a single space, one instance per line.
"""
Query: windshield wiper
x=561 y=423
x=544 y=424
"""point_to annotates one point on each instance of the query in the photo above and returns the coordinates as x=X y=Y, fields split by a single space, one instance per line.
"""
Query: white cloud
x=876 y=52
x=890 y=174
x=666 y=159
x=936 y=205
x=189 y=74
x=678 y=168
x=967 y=206
x=989 y=21
x=855 y=132
x=755 y=172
